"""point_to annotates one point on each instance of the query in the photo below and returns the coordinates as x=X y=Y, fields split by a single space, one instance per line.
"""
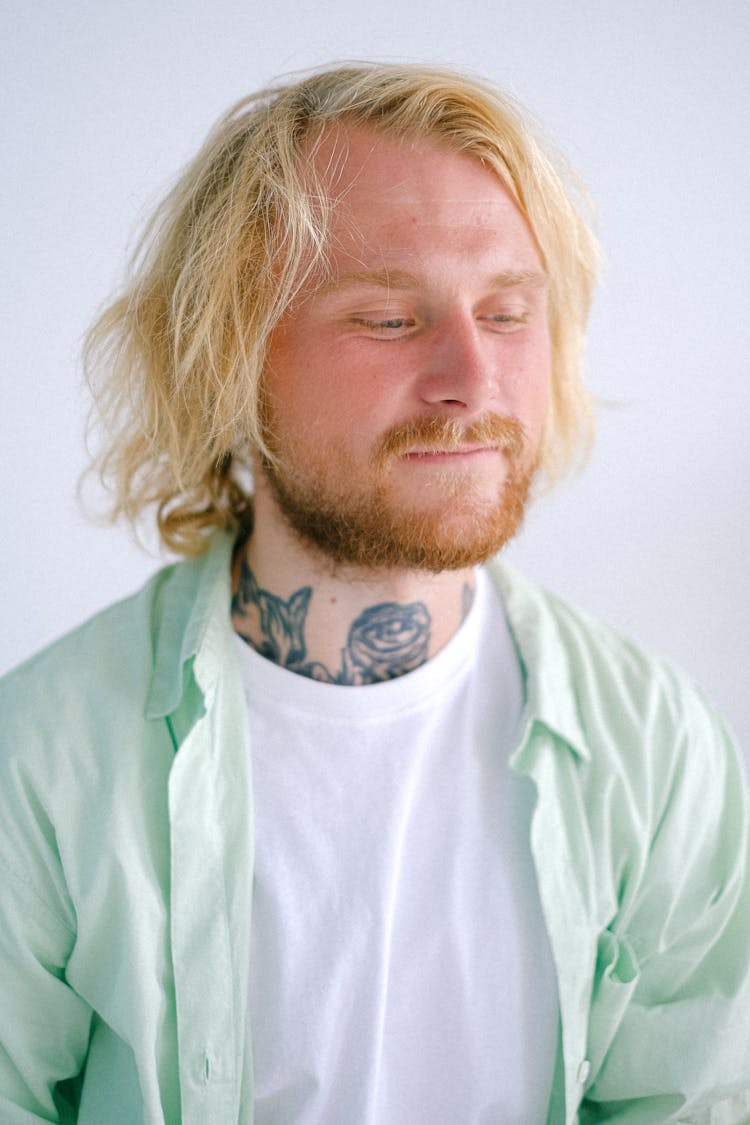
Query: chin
x=379 y=538
x=457 y=525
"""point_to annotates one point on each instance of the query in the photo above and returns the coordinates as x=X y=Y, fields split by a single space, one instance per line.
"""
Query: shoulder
x=94 y=694
x=111 y=652
x=623 y=707
x=643 y=767
x=74 y=718
x=71 y=742
x=116 y=653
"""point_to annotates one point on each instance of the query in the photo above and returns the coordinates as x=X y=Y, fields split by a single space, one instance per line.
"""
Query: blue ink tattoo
x=385 y=641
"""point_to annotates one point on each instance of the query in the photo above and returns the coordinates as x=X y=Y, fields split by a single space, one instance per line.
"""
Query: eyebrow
x=403 y=279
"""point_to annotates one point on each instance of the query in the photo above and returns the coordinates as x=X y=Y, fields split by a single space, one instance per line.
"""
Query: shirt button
x=584 y=1070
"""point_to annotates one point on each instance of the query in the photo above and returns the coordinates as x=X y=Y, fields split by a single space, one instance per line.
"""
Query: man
x=339 y=820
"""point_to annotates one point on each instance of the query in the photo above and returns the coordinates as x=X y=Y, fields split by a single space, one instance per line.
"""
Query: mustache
x=497 y=431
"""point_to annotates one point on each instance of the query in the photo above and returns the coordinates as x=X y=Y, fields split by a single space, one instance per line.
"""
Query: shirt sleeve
x=44 y=1023
x=670 y=1016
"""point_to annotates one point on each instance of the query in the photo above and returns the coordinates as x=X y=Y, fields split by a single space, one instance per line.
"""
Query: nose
x=459 y=373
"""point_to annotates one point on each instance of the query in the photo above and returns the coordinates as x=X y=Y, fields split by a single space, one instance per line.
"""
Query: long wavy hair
x=175 y=363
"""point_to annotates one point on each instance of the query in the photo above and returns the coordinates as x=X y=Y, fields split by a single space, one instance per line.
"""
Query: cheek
x=527 y=389
x=539 y=378
x=344 y=392
x=295 y=384
x=539 y=388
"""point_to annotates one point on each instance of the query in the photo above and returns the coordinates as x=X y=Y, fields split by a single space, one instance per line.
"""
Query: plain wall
x=103 y=102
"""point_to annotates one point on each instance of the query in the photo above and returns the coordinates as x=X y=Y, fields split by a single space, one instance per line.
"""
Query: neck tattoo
x=384 y=641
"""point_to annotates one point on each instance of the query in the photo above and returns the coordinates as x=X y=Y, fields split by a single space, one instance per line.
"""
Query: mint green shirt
x=126 y=861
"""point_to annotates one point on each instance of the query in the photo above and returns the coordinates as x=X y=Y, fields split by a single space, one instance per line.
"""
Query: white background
x=102 y=102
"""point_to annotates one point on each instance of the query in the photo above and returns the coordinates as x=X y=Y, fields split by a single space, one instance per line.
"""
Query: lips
x=451 y=451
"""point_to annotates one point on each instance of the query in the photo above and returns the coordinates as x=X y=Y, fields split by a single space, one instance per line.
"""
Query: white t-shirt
x=400 y=970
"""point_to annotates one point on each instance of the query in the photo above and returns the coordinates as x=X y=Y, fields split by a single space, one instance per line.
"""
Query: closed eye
x=506 y=321
x=392 y=324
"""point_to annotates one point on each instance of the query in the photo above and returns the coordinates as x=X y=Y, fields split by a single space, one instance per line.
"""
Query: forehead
x=356 y=161
x=398 y=193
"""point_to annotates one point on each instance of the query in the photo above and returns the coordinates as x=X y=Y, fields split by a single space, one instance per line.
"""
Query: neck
x=338 y=624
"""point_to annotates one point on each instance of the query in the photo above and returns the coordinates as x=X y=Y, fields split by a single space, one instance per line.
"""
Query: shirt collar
x=546 y=661
x=192 y=599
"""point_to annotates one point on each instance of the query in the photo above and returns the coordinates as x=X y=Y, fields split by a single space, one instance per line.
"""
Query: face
x=405 y=393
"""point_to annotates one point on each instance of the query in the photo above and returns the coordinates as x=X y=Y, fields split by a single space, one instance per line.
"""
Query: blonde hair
x=175 y=363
